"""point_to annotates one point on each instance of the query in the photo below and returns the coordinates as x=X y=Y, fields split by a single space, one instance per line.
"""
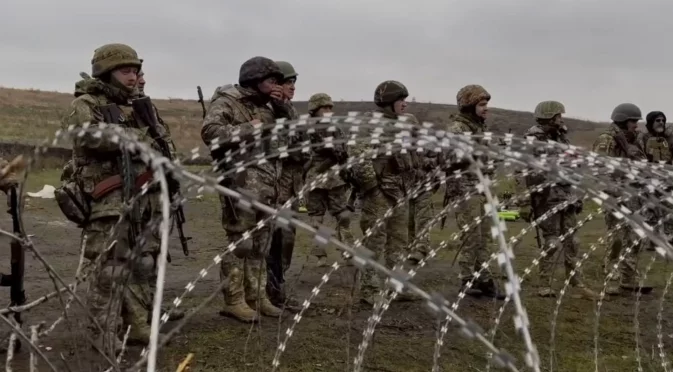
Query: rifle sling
x=115 y=182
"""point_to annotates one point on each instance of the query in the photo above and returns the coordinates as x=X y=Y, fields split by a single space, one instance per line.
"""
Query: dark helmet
x=112 y=56
x=287 y=69
x=625 y=112
x=388 y=92
x=258 y=68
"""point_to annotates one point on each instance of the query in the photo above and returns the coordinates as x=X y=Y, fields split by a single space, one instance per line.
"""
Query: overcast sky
x=589 y=54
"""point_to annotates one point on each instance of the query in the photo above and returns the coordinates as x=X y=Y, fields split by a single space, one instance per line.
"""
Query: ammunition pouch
x=73 y=202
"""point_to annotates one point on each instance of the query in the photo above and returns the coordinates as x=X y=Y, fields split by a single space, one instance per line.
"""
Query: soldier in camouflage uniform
x=473 y=108
x=549 y=118
x=241 y=107
x=381 y=182
x=291 y=181
x=96 y=170
x=619 y=140
x=654 y=144
x=332 y=195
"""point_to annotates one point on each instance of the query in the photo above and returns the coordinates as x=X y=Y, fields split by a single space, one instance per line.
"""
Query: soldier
x=473 y=109
x=381 y=183
x=241 y=107
x=654 y=144
x=549 y=118
x=619 y=140
x=331 y=195
x=97 y=166
x=291 y=181
x=141 y=83
x=420 y=208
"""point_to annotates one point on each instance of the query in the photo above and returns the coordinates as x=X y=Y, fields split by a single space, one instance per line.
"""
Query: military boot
x=265 y=307
x=580 y=290
x=490 y=289
x=234 y=300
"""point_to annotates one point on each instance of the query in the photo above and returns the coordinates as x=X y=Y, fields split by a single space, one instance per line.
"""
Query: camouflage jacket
x=558 y=193
x=323 y=158
x=233 y=106
x=393 y=174
x=461 y=124
x=656 y=148
x=614 y=143
x=287 y=110
x=97 y=158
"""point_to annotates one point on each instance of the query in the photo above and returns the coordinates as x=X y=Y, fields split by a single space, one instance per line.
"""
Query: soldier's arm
x=364 y=172
x=165 y=133
x=455 y=163
x=604 y=145
x=218 y=123
x=81 y=112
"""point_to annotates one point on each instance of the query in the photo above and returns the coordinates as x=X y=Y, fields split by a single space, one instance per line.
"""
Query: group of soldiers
x=102 y=179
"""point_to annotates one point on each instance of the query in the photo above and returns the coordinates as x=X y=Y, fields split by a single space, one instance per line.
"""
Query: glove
x=579 y=206
x=526 y=213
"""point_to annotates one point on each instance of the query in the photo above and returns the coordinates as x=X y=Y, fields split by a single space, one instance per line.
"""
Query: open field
x=328 y=335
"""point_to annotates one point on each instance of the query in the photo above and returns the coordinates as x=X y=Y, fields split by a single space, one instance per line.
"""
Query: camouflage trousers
x=279 y=257
x=655 y=215
x=420 y=214
x=475 y=243
x=119 y=292
x=334 y=201
x=552 y=229
x=388 y=240
x=623 y=238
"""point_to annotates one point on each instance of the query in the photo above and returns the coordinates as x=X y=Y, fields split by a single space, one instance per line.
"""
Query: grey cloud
x=590 y=54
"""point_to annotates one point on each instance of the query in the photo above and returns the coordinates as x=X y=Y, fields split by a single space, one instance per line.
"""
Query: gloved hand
x=579 y=206
x=526 y=213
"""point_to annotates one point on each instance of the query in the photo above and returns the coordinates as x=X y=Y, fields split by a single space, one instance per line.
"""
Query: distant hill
x=30 y=116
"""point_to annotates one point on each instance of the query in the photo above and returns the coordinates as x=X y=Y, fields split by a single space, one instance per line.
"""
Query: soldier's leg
x=628 y=269
x=337 y=204
x=474 y=242
x=615 y=243
x=551 y=231
x=423 y=215
x=255 y=275
x=397 y=235
x=317 y=207
x=104 y=297
x=374 y=206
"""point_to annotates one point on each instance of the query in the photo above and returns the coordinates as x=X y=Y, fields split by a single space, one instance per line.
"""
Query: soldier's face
x=288 y=88
x=267 y=85
x=632 y=125
x=659 y=124
x=400 y=106
x=557 y=121
x=141 y=82
x=481 y=109
x=127 y=76
x=324 y=110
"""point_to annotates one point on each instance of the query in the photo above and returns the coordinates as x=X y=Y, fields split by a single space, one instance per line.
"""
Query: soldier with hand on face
x=244 y=106
x=549 y=118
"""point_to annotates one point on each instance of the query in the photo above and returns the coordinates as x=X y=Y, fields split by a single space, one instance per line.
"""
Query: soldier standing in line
x=332 y=195
x=472 y=103
x=619 y=140
x=549 y=118
x=242 y=107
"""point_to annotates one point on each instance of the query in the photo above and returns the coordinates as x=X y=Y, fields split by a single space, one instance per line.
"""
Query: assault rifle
x=145 y=110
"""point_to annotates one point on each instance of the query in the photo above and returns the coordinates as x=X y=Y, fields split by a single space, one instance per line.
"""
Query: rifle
x=445 y=202
x=203 y=105
x=14 y=281
x=537 y=228
x=144 y=108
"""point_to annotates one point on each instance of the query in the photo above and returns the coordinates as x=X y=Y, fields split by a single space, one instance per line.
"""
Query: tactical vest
x=657 y=149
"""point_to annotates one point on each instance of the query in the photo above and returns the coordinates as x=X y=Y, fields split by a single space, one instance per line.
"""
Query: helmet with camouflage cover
x=319 y=100
x=287 y=69
x=625 y=112
x=111 y=56
x=389 y=92
x=258 y=68
x=470 y=95
x=548 y=109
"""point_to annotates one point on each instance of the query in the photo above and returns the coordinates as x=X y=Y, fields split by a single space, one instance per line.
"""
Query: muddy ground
x=327 y=338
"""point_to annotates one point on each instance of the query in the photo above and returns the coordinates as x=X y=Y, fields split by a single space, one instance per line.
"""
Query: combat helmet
x=287 y=69
x=625 y=112
x=389 y=92
x=319 y=100
x=257 y=69
x=111 y=56
x=470 y=95
x=548 y=109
